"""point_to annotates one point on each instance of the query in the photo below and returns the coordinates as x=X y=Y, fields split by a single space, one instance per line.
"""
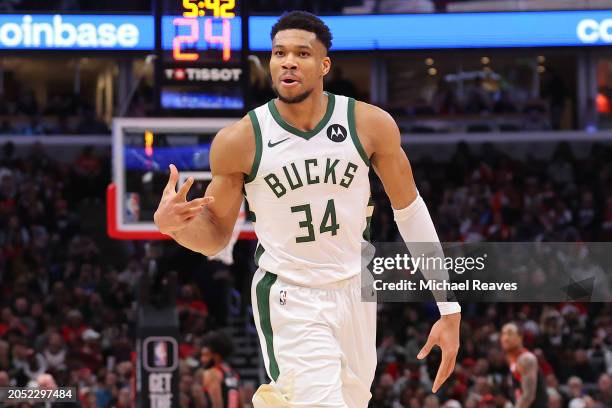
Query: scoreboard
x=202 y=64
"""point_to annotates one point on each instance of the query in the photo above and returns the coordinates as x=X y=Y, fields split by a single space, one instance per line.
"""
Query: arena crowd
x=67 y=306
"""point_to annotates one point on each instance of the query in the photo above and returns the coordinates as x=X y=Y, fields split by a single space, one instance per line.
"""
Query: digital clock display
x=202 y=62
x=202 y=30
x=218 y=8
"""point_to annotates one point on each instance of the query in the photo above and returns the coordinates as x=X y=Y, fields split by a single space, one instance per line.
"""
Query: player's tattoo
x=527 y=365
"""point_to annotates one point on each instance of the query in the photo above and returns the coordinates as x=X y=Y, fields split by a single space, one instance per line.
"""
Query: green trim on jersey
x=331 y=102
x=263 y=305
x=258 y=252
x=353 y=130
x=367 y=232
x=258 y=146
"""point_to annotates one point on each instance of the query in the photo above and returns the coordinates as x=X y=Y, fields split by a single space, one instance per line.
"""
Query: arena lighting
x=148 y=142
x=61 y=34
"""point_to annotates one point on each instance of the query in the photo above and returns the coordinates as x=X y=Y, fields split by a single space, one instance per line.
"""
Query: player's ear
x=326 y=65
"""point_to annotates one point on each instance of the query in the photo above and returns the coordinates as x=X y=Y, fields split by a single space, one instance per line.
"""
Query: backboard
x=143 y=148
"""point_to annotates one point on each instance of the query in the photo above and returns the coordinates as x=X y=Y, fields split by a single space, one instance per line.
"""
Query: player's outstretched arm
x=381 y=138
x=205 y=224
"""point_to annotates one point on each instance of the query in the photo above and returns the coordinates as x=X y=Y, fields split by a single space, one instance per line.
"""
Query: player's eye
x=304 y=54
x=279 y=53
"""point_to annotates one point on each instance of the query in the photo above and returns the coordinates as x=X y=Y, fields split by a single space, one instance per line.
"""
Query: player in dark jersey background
x=221 y=383
x=527 y=378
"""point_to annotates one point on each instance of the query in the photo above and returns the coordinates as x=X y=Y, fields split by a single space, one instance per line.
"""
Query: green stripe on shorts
x=258 y=253
x=263 y=304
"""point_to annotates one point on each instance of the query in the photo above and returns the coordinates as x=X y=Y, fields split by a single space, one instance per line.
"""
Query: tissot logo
x=336 y=133
x=203 y=74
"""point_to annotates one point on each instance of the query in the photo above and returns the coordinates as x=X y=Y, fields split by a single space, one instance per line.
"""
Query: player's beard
x=296 y=99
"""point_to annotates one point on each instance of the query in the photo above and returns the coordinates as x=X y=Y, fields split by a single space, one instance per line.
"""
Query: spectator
x=46 y=382
x=131 y=274
x=582 y=368
x=554 y=399
x=4 y=379
x=27 y=364
x=107 y=390
x=124 y=400
x=431 y=401
x=5 y=358
x=73 y=330
x=55 y=353
x=574 y=387
x=604 y=390
x=389 y=351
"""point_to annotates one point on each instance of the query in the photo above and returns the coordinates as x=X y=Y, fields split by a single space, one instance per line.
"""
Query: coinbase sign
x=76 y=32
x=592 y=31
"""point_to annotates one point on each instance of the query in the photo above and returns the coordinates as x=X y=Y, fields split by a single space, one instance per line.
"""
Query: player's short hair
x=219 y=342
x=303 y=20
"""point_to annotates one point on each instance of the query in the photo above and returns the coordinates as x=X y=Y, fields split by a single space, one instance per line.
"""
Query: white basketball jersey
x=309 y=195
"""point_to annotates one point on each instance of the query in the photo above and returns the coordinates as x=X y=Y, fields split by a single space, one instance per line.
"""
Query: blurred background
x=504 y=108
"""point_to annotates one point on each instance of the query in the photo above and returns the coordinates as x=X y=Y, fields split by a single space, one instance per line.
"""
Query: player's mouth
x=289 y=82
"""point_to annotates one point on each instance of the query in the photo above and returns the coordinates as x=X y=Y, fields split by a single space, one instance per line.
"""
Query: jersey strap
x=258 y=147
x=353 y=131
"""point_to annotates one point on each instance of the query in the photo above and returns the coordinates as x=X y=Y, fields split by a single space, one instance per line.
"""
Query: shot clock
x=202 y=69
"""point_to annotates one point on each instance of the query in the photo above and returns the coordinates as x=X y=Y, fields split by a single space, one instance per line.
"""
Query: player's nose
x=289 y=62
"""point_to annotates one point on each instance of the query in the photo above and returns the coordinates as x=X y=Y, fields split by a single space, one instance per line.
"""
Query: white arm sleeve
x=417 y=229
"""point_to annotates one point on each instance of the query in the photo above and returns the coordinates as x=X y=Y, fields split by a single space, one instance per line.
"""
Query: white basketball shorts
x=318 y=344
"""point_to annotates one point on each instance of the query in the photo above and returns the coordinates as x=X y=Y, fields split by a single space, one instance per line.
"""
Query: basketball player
x=303 y=161
x=221 y=382
x=527 y=379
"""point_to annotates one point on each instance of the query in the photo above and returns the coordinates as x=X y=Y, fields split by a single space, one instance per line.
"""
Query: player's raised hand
x=445 y=334
x=174 y=212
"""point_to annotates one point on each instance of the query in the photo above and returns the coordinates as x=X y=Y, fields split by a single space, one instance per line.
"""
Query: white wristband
x=447 y=308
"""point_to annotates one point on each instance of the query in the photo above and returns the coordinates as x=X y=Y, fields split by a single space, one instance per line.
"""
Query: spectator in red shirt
x=73 y=331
